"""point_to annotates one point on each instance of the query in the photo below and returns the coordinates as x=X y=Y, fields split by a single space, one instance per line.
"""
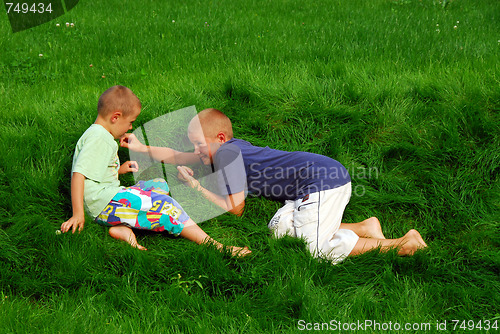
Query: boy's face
x=124 y=123
x=204 y=147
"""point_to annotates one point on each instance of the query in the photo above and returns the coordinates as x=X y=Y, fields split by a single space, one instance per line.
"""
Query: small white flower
x=67 y=24
x=40 y=55
x=437 y=24
x=458 y=22
x=173 y=21
x=455 y=27
x=72 y=24
x=58 y=25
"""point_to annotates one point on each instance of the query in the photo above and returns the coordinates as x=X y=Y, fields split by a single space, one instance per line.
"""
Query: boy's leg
x=368 y=228
x=317 y=218
x=193 y=232
x=125 y=233
x=159 y=212
x=282 y=222
x=408 y=244
x=154 y=210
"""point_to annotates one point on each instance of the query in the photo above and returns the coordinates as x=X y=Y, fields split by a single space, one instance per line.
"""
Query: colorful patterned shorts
x=145 y=205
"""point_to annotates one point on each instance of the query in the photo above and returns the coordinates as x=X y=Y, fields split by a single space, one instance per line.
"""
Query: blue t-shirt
x=275 y=174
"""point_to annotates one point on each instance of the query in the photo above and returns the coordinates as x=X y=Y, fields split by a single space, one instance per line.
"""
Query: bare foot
x=373 y=228
x=240 y=251
x=368 y=228
x=125 y=233
x=140 y=247
x=411 y=242
x=406 y=245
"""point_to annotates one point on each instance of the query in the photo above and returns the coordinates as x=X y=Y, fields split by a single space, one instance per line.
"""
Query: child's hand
x=186 y=176
x=184 y=173
x=131 y=142
x=129 y=166
x=73 y=223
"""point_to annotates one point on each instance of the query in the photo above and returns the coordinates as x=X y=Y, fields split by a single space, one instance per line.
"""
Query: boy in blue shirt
x=315 y=189
x=95 y=186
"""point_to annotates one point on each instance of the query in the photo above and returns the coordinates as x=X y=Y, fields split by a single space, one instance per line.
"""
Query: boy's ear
x=115 y=116
x=221 y=137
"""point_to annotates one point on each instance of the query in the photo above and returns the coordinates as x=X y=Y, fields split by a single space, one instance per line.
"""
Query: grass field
x=404 y=93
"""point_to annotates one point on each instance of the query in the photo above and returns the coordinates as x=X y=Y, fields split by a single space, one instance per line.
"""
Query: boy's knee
x=112 y=231
x=117 y=231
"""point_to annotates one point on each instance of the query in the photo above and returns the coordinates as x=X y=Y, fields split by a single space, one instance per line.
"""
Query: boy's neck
x=104 y=123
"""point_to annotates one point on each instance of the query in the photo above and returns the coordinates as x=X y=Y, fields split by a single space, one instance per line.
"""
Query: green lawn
x=404 y=93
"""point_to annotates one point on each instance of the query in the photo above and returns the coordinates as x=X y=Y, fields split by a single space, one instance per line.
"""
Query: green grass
x=386 y=85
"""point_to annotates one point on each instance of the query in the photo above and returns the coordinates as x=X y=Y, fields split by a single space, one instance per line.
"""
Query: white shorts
x=316 y=218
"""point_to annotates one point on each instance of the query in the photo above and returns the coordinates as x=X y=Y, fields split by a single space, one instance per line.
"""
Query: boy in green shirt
x=95 y=186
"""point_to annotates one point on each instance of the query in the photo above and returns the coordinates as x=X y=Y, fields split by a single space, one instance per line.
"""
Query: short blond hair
x=117 y=98
x=214 y=121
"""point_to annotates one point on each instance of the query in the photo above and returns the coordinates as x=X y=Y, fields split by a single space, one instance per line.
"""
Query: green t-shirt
x=96 y=157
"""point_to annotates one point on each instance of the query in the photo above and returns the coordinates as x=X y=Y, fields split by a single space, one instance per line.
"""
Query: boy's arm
x=236 y=202
x=163 y=154
x=78 y=219
x=233 y=203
